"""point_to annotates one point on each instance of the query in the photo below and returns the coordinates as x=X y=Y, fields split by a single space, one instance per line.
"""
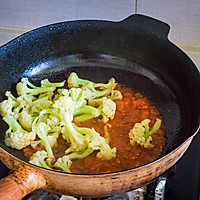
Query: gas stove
x=181 y=182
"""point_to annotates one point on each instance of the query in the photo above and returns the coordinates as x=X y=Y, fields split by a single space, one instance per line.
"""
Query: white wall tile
x=34 y=13
x=182 y=15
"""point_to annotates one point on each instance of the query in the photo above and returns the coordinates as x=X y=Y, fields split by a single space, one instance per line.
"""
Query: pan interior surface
x=100 y=68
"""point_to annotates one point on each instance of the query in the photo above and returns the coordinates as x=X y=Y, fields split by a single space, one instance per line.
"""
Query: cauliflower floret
x=39 y=158
x=25 y=101
x=52 y=137
x=65 y=104
x=92 y=89
x=26 y=88
x=53 y=121
x=78 y=96
x=116 y=94
x=19 y=140
x=106 y=106
x=63 y=164
x=6 y=107
x=108 y=109
x=16 y=137
x=96 y=142
x=141 y=133
x=10 y=106
x=25 y=120
x=106 y=152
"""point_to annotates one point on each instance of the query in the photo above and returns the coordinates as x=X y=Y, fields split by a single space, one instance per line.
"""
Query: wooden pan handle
x=20 y=182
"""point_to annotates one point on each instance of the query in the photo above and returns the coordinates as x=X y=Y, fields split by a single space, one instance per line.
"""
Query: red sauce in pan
x=131 y=109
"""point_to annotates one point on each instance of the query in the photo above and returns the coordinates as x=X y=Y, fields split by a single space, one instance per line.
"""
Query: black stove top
x=185 y=185
x=182 y=180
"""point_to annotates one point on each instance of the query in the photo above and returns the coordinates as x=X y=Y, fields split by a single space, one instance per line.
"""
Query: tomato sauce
x=131 y=109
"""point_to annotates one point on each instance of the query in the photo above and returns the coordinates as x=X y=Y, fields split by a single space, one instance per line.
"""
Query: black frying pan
x=135 y=51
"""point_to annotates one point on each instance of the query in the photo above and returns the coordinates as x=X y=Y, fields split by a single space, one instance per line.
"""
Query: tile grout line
x=136 y=3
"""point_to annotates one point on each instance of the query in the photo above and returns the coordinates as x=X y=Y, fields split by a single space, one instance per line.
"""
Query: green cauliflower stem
x=91 y=89
x=80 y=155
x=141 y=133
x=64 y=163
x=66 y=106
x=106 y=106
x=39 y=159
x=86 y=112
x=45 y=96
x=41 y=129
x=77 y=95
x=37 y=107
x=103 y=107
x=52 y=137
x=76 y=140
x=26 y=88
x=16 y=137
x=96 y=142
x=47 y=83
x=43 y=111
x=49 y=116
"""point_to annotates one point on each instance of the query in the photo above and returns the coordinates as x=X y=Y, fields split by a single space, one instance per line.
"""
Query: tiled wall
x=182 y=15
x=34 y=13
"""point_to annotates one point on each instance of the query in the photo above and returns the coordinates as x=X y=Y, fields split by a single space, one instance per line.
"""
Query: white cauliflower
x=10 y=106
x=19 y=140
x=39 y=158
x=141 y=133
x=106 y=153
x=96 y=142
x=25 y=120
x=63 y=164
x=24 y=87
x=107 y=107
x=115 y=94
x=6 y=107
x=16 y=137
